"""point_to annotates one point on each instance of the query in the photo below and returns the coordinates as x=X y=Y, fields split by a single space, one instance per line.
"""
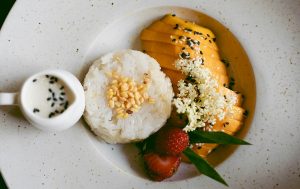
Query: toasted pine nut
x=130 y=94
x=111 y=104
x=124 y=87
x=125 y=95
x=128 y=105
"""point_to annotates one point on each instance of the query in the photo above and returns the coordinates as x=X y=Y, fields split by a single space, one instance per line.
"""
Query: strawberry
x=160 y=167
x=171 y=141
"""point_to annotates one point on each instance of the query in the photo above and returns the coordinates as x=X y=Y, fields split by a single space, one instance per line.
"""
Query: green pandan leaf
x=216 y=137
x=203 y=166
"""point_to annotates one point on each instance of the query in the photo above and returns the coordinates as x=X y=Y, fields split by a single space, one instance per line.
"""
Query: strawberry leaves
x=215 y=137
x=203 y=166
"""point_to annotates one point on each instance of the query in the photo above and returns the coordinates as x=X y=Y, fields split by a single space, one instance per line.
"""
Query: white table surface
x=59 y=32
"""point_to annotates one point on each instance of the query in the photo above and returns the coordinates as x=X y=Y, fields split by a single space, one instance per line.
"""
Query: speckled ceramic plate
x=70 y=34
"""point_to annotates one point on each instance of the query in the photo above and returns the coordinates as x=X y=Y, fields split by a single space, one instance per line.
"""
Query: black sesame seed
x=183 y=48
x=49 y=98
x=52 y=104
x=209 y=41
x=50 y=90
x=188 y=30
x=201 y=52
x=180 y=37
x=47 y=76
x=190 y=79
x=189 y=43
x=61 y=99
x=226 y=62
x=214 y=39
x=61 y=104
x=51 y=115
x=62 y=93
x=246 y=113
x=129 y=111
x=199 y=147
x=185 y=55
x=54 y=99
x=36 y=110
x=66 y=105
x=231 y=83
x=173 y=15
x=51 y=82
x=208 y=35
x=173 y=40
x=176 y=26
x=62 y=87
x=34 y=80
x=56 y=111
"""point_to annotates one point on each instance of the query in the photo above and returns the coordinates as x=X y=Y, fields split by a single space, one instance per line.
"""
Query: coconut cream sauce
x=48 y=96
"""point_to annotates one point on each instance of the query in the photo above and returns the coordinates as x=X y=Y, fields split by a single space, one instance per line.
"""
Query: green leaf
x=203 y=166
x=216 y=137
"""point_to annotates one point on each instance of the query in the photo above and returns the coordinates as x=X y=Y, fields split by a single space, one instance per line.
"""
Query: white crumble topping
x=198 y=95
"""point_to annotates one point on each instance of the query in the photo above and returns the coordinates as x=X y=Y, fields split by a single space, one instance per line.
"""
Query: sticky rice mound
x=138 y=125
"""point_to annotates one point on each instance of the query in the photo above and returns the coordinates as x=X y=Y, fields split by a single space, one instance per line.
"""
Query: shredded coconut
x=198 y=95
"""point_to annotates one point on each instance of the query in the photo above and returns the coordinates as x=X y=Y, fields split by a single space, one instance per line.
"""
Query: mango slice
x=177 y=51
x=149 y=35
x=173 y=20
x=162 y=27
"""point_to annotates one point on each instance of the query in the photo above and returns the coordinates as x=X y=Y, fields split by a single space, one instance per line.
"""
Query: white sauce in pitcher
x=48 y=96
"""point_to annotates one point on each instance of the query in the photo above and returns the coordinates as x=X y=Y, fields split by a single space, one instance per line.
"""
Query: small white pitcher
x=56 y=123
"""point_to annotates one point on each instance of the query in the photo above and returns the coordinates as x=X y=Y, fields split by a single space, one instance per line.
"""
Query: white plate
x=65 y=34
x=111 y=39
